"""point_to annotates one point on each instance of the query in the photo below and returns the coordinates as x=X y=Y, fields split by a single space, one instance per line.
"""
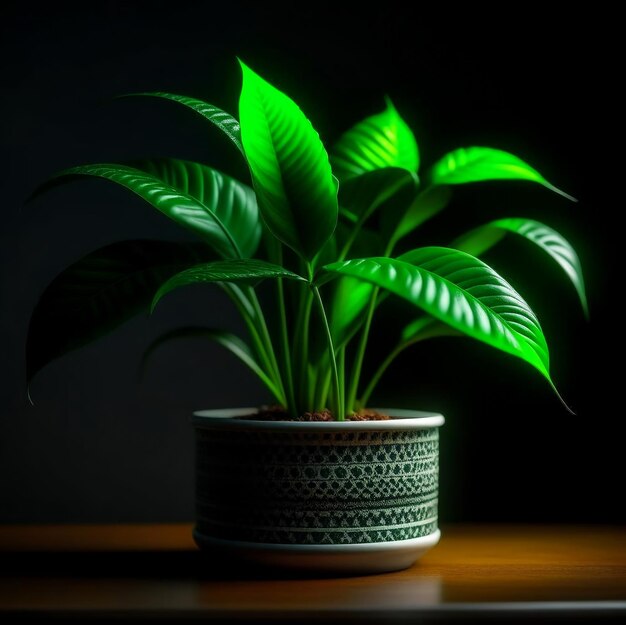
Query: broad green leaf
x=98 y=293
x=478 y=241
x=476 y=164
x=461 y=291
x=175 y=204
x=230 y=341
x=240 y=270
x=292 y=177
x=427 y=204
x=225 y=122
x=382 y=140
x=232 y=202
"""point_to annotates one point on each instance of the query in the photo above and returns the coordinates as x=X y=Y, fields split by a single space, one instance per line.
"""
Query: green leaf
x=382 y=140
x=478 y=241
x=230 y=341
x=461 y=291
x=100 y=292
x=240 y=270
x=292 y=177
x=232 y=202
x=225 y=122
x=178 y=205
x=476 y=164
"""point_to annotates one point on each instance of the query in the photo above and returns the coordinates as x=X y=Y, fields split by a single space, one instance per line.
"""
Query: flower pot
x=352 y=496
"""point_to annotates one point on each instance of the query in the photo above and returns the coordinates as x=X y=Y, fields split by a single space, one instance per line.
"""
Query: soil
x=277 y=413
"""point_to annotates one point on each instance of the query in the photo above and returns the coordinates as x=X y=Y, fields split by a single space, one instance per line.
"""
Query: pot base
x=359 y=559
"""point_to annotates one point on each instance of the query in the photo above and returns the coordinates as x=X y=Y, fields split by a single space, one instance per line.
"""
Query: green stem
x=351 y=238
x=337 y=407
x=267 y=340
x=311 y=386
x=269 y=383
x=379 y=373
x=341 y=365
x=284 y=342
x=325 y=388
x=301 y=350
x=360 y=352
x=430 y=329
x=243 y=303
x=366 y=214
x=252 y=315
x=322 y=379
x=390 y=245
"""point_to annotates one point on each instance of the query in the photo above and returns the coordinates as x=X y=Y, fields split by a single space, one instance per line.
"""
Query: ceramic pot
x=352 y=496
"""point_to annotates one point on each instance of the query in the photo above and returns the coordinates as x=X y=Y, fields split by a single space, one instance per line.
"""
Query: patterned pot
x=355 y=496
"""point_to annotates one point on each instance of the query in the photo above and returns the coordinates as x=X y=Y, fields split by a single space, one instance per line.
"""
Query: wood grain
x=155 y=569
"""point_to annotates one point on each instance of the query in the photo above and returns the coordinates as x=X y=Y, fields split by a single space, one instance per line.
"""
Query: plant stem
x=360 y=353
x=351 y=238
x=311 y=386
x=301 y=350
x=341 y=365
x=326 y=388
x=430 y=329
x=322 y=386
x=267 y=339
x=379 y=373
x=284 y=341
x=337 y=407
x=255 y=322
x=378 y=201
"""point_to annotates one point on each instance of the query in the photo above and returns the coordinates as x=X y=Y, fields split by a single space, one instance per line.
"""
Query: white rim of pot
x=400 y=420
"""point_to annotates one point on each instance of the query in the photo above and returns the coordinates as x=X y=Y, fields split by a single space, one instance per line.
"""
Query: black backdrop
x=100 y=446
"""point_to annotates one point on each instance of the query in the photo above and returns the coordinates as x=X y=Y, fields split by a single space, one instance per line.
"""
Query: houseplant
x=320 y=480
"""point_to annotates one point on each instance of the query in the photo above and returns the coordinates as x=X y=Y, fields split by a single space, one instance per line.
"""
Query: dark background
x=100 y=446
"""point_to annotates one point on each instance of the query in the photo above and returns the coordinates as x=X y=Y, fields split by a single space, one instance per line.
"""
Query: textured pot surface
x=318 y=487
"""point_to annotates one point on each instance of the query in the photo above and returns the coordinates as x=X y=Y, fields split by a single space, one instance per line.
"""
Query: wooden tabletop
x=155 y=571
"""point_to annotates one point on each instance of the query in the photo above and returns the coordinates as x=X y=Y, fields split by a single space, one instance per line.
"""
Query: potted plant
x=318 y=479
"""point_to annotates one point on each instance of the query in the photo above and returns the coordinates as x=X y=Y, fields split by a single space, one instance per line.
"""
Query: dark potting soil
x=277 y=413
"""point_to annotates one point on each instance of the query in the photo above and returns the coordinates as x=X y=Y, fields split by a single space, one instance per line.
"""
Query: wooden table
x=477 y=573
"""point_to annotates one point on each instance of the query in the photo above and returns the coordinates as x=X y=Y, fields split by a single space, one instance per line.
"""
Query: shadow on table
x=176 y=565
